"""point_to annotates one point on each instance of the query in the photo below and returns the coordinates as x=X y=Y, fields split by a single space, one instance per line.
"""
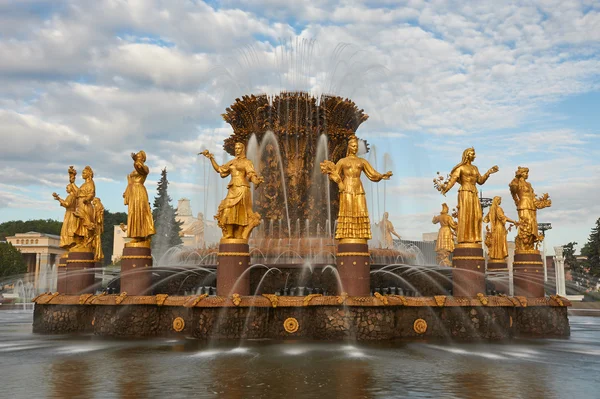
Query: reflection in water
x=70 y=379
x=132 y=377
x=289 y=369
x=88 y=367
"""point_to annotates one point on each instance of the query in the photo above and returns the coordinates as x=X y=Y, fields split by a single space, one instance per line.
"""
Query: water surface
x=38 y=366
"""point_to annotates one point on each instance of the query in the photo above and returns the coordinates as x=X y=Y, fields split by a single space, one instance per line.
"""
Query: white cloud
x=87 y=83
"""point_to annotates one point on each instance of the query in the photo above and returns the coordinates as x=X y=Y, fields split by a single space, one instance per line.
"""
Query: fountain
x=296 y=259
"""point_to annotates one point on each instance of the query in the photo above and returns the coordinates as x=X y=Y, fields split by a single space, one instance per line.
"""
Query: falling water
x=320 y=182
x=270 y=137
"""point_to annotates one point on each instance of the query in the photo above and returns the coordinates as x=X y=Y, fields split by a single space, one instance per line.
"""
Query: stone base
x=136 y=271
x=353 y=266
x=322 y=318
x=528 y=275
x=497 y=276
x=80 y=273
x=232 y=262
x=61 y=275
x=468 y=273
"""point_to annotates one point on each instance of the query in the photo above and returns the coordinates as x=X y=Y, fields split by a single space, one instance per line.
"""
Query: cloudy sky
x=89 y=82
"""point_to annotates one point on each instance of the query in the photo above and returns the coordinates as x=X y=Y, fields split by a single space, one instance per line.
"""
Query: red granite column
x=80 y=273
x=232 y=261
x=528 y=274
x=61 y=274
x=468 y=273
x=136 y=271
x=497 y=274
x=353 y=266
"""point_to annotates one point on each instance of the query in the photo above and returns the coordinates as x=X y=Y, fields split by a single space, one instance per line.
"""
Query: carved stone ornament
x=420 y=326
x=290 y=325
x=178 y=324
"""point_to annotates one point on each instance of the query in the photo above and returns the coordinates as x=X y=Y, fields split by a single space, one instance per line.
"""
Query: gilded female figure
x=99 y=221
x=85 y=210
x=496 y=237
x=234 y=215
x=469 y=207
x=69 y=225
x=444 y=245
x=353 y=216
x=140 y=224
x=527 y=206
x=387 y=229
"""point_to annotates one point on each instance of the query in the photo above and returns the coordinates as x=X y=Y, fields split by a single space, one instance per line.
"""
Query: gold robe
x=470 y=214
x=499 y=247
x=445 y=238
x=353 y=217
x=85 y=209
x=140 y=223
x=69 y=225
x=236 y=208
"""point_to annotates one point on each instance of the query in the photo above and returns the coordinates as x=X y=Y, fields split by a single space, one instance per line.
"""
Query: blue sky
x=89 y=82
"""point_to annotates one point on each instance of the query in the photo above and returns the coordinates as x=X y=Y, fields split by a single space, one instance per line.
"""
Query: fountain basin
x=316 y=317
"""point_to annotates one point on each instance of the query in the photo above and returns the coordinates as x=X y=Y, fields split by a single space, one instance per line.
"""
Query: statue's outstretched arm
x=482 y=179
x=372 y=174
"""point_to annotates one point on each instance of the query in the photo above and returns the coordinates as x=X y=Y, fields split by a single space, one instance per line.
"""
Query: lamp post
x=559 y=267
x=542 y=227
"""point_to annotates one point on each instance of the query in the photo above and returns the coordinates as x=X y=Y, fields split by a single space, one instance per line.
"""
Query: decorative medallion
x=420 y=326
x=290 y=325
x=178 y=324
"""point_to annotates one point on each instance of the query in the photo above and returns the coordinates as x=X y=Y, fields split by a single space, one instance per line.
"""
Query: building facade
x=41 y=253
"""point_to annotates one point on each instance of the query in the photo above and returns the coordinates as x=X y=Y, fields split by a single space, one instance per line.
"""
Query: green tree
x=47 y=226
x=581 y=278
x=167 y=227
x=591 y=250
x=11 y=261
x=108 y=237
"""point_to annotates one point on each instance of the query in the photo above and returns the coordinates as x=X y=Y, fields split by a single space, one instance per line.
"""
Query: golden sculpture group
x=84 y=213
x=469 y=225
x=83 y=223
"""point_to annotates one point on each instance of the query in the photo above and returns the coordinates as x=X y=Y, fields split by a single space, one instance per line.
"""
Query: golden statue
x=444 y=245
x=84 y=234
x=140 y=224
x=69 y=226
x=353 y=217
x=495 y=239
x=387 y=229
x=99 y=222
x=470 y=214
x=527 y=206
x=235 y=216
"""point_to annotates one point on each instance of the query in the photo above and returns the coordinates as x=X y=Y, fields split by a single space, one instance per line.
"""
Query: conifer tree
x=165 y=223
x=591 y=250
